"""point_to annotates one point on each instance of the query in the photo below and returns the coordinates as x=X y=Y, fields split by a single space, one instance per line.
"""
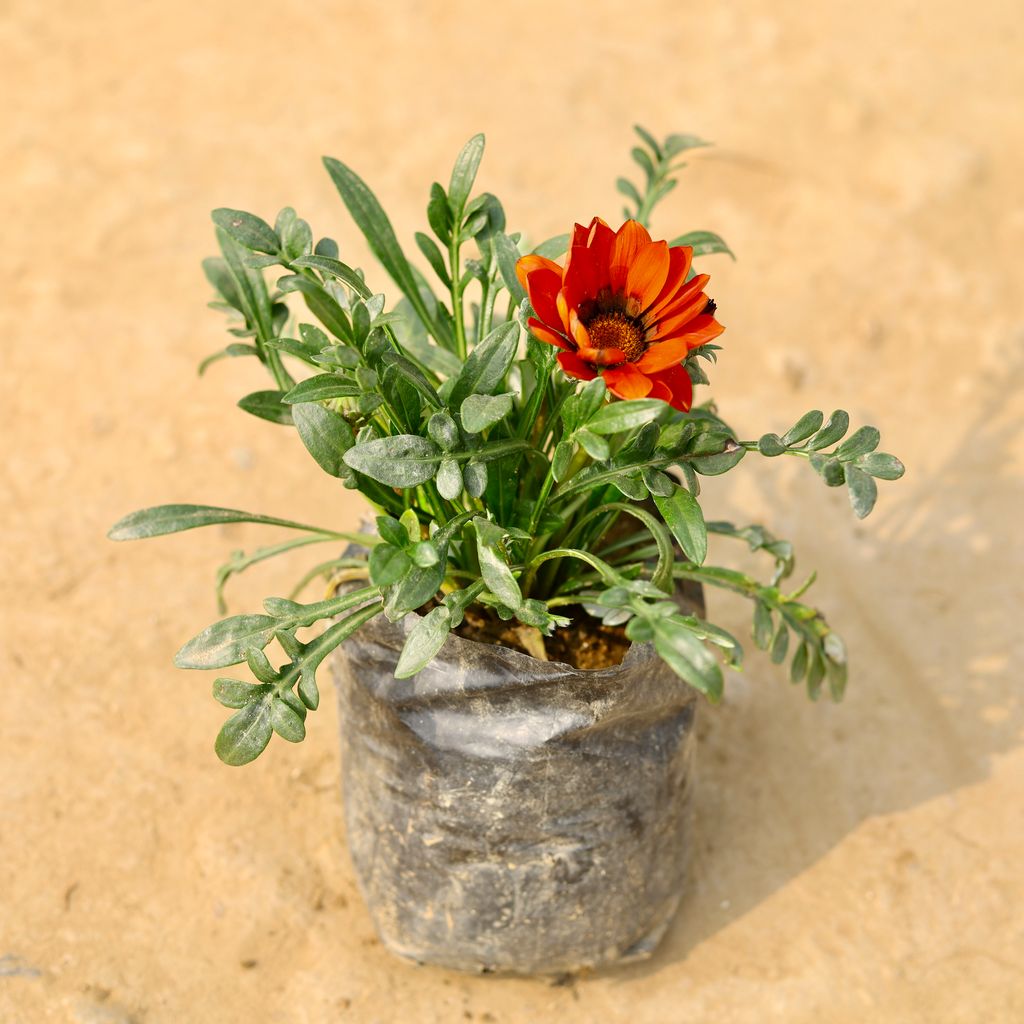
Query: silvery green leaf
x=404 y=460
x=425 y=639
x=808 y=424
x=771 y=445
x=684 y=517
x=478 y=412
x=245 y=735
x=286 y=722
x=881 y=465
x=474 y=475
x=621 y=416
x=449 y=479
x=838 y=424
x=388 y=565
x=322 y=387
x=860 y=442
x=326 y=435
x=863 y=491
x=226 y=642
x=248 y=230
x=464 y=174
x=267 y=405
x=486 y=366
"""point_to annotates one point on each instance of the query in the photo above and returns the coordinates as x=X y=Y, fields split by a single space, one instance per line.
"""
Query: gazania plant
x=523 y=426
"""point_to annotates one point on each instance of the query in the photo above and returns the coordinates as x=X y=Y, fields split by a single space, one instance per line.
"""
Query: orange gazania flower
x=621 y=307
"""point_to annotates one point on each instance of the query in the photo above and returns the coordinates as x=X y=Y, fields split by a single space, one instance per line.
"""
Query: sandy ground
x=856 y=863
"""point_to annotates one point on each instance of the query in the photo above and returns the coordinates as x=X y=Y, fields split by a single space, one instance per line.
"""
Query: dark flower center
x=616 y=330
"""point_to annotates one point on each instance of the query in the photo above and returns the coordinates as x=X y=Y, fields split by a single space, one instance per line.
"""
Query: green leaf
x=439 y=213
x=392 y=531
x=245 y=735
x=643 y=159
x=234 y=693
x=881 y=465
x=678 y=143
x=404 y=460
x=564 y=451
x=508 y=255
x=267 y=405
x=838 y=424
x=232 y=351
x=494 y=567
x=165 y=519
x=326 y=435
x=218 y=274
x=449 y=479
x=474 y=476
x=371 y=219
x=771 y=445
x=804 y=427
x=863 y=491
x=433 y=256
x=649 y=140
x=479 y=412
x=629 y=190
x=553 y=247
x=593 y=444
x=485 y=369
x=683 y=516
x=780 y=644
x=621 y=416
x=704 y=243
x=688 y=657
x=335 y=268
x=858 y=443
x=226 y=642
x=715 y=465
x=763 y=626
x=443 y=429
x=425 y=639
x=464 y=174
x=250 y=231
x=286 y=723
x=798 y=667
x=295 y=234
x=320 y=388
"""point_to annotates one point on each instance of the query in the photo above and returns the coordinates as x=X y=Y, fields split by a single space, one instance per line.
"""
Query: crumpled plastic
x=514 y=815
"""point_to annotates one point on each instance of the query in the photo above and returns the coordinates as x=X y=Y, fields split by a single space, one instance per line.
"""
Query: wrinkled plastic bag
x=510 y=814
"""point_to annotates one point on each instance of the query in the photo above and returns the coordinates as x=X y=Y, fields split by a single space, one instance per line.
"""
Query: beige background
x=855 y=863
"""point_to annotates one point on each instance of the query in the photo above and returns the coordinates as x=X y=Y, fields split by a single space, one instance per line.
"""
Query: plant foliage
x=496 y=480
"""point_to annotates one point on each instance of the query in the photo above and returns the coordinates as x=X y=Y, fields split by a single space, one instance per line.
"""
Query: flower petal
x=646 y=275
x=544 y=333
x=542 y=286
x=684 y=299
x=575 y=367
x=627 y=382
x=677 y=382
x=629 y=240
x=680 y=257
x=699 y=331
x=528 y=264
x=663 y=354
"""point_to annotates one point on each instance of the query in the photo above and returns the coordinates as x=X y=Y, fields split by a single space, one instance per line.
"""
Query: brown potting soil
x=585 y=643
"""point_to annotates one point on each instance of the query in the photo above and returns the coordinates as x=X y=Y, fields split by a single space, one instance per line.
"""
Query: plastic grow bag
x=510 y=814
